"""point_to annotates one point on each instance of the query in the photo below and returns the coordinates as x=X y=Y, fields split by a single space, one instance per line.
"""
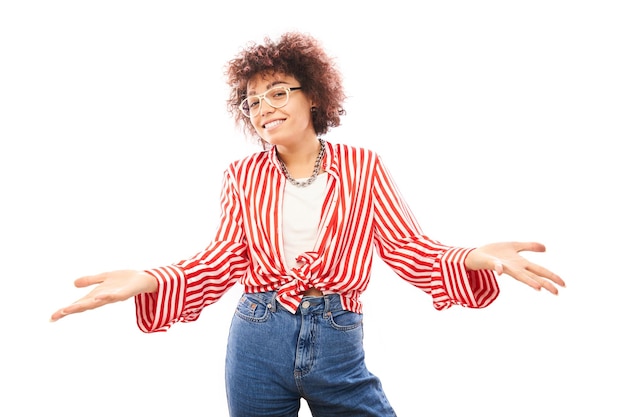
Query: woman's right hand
x=111 y=287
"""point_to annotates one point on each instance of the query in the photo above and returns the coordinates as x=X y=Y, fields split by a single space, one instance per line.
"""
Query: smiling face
x=287 y=125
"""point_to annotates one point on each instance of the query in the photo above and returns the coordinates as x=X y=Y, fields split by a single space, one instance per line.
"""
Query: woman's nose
x=265 y=108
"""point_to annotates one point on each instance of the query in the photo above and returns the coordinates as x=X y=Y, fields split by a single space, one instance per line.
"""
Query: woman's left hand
x=504 y=258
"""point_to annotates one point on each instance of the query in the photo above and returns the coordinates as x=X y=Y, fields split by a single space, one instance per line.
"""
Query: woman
x=300 y=222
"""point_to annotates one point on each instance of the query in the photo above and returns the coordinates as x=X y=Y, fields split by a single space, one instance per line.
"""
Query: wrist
x=151 y=284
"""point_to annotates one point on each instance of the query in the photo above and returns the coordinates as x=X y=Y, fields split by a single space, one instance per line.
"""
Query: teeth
x=274 y=123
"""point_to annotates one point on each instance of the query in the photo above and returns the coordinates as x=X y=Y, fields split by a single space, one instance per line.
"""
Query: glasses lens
x=250 y=106
x=277 y=97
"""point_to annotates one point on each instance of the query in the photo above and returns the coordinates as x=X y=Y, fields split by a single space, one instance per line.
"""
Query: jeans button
x=306 y=304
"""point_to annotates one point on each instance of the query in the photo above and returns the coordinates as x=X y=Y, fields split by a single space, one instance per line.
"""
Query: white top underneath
x=302 y=211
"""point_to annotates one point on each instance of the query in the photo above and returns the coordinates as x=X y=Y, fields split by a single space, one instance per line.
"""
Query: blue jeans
x=274 y=358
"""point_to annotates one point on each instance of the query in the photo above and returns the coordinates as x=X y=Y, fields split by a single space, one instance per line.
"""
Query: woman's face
x=286 y=124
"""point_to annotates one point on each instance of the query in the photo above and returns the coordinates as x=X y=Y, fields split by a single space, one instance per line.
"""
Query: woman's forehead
x=264 y=81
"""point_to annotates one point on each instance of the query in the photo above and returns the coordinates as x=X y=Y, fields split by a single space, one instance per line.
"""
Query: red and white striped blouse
x=363 y=210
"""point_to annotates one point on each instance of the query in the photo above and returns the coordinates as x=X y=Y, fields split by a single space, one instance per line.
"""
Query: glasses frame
x=263 y=98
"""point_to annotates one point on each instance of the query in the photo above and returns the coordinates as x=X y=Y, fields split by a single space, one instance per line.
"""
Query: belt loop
x=327 y=305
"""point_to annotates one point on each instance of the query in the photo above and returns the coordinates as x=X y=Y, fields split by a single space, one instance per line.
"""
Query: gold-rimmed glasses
x=276 y=97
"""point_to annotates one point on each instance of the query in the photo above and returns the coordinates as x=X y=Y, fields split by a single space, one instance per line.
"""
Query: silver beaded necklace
x=316 y=169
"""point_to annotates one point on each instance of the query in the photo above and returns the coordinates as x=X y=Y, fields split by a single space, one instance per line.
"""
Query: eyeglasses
x=276 y=97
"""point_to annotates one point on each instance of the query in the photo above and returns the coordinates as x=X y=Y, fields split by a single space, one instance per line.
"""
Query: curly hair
x=300 y=56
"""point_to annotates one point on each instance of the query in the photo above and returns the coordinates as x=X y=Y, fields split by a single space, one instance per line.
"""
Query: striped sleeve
x=157 y=311
x=474 y=289
x=437 y=269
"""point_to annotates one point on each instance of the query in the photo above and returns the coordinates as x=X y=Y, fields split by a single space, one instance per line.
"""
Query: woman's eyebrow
x=270 y=85
x=274 y=83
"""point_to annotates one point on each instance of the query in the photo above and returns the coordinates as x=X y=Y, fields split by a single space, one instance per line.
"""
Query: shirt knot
x=308 y=269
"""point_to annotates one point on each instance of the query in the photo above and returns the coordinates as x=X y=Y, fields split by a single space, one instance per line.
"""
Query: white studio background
x=499 y=121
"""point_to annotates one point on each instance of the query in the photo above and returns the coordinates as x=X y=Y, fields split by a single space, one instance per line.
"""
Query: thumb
x=88 y=280
x=497 y=266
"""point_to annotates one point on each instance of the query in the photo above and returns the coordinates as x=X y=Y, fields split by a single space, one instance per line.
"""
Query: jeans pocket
x=345 y=320
x=252 y=309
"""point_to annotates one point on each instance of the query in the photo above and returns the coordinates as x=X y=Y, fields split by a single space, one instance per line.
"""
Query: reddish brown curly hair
x=296 y=54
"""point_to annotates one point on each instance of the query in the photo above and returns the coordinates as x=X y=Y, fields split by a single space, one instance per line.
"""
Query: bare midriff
x=313 y=292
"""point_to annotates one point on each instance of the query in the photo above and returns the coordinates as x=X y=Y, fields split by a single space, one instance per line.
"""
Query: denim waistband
x=308 y=305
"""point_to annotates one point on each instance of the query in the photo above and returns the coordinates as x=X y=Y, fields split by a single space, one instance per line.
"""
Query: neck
x=300 y=162
x=300 y=157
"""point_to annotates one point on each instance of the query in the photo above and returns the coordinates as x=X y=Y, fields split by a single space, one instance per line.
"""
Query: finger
x=530 y=247
x=547 y=285
x=546 y=274
x=89 y=280
x=96 y=298
x=59 y=314
x=523 y=276
x=533 y=280
x=79 y=306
